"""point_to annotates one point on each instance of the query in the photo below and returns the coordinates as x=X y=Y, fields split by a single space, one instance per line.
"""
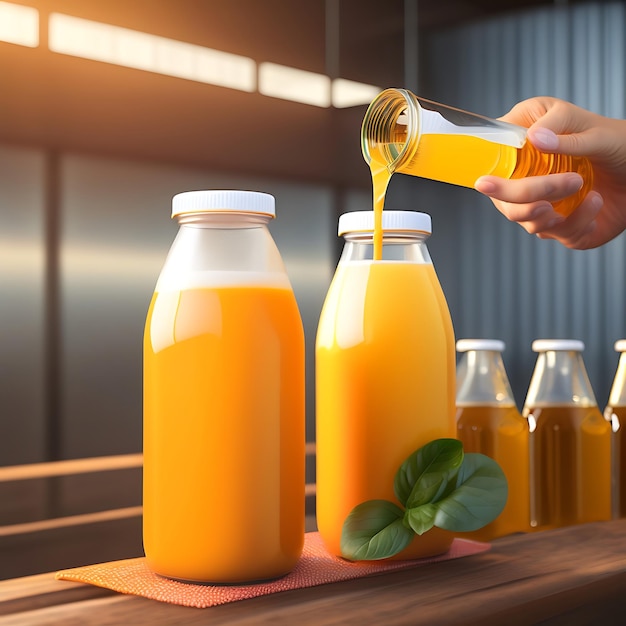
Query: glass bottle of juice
x=385 y=370
x=488 y=422
x=224 y=431
x=615 y=414
x=569 y=440
x=410 y=135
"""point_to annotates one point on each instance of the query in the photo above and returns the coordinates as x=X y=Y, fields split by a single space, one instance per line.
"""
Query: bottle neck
x=560 y=379
x=222 y=248
x=407 y=247
x=225 y=220
x=482 y=380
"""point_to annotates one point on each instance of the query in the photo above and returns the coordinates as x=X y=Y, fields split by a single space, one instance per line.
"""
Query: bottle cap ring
x=545 y=345
x=465 y=345
x=223 y=201
x=363 y=222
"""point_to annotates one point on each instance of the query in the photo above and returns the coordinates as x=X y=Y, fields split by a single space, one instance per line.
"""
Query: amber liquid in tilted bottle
x=570 y=441
x=615 y=414
x=489 y=422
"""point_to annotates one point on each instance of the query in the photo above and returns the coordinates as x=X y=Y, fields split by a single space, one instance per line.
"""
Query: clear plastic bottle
x=385 y=370
x=570 y=441
x=224 y=429
x=488 y=422
x=615 y=414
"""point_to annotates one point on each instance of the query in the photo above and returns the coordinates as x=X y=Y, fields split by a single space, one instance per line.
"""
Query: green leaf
x=421 y=518
x=480 y=495
x=427 y=474
x=374 y=530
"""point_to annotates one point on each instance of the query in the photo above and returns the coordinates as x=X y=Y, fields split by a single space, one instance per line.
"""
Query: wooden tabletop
x=569 y=576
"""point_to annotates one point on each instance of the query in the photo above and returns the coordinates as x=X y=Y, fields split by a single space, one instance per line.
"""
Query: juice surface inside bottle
x=218 y=503
x=500 y=432
x=570 y=465
x=385 y=387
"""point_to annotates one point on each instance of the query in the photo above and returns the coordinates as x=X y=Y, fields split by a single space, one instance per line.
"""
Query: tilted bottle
x=569 y=440
x=411 y=135
x=385 y=368
x=223 y=492
x=489 y=422
x=615 y=413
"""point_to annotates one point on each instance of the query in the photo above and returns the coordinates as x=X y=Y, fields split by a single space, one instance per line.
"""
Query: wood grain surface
x=570 y=576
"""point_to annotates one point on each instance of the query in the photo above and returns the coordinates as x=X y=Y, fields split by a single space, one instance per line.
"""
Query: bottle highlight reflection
x=615 y=414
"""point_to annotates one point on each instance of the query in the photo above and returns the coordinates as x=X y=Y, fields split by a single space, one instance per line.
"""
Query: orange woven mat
x=315 y=567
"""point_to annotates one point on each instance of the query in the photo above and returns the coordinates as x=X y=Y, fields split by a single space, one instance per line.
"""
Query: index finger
x=531 y=189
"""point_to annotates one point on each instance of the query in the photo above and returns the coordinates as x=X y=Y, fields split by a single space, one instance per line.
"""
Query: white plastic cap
x=223 y=201
x=465 y=345
x=572 y=345
x=620 y=345
x=363 y=222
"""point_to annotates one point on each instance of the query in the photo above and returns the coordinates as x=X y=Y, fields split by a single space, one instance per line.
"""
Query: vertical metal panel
x=539 y=287
x=115 y=235
x=22 y=306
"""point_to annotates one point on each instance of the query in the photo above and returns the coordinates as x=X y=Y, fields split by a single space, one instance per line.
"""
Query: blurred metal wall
x=502 y=282
x=22 y=306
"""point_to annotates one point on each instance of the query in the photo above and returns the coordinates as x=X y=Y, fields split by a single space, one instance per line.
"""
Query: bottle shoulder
x=215 y=257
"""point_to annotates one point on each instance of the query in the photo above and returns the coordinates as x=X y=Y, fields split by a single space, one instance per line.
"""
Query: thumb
x=575 y=144
x=565 y=129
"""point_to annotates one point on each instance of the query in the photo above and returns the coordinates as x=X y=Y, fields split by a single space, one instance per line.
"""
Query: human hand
x=557 y=126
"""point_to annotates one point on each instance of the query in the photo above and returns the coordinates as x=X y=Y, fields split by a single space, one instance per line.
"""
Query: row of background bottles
x=561 y=455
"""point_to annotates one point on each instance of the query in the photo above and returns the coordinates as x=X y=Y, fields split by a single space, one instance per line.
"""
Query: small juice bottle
x=385 y=368
x=223 y=481
x=615 y=413
x=569 y=440
x=488 y=422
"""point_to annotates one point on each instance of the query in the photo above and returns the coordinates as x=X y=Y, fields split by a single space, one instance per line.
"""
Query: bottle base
x=213 y=583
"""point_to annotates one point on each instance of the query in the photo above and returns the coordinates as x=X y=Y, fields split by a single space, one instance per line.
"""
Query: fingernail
x=597 y=202
x=574 y=183
x=540 y=211
x=554 y=222
x=544 y=138
x=484 y=186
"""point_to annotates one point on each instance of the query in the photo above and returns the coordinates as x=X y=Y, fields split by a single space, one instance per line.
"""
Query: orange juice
x=385 y=387
x=501 y=433
x=224 y=432
x=570 y=449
